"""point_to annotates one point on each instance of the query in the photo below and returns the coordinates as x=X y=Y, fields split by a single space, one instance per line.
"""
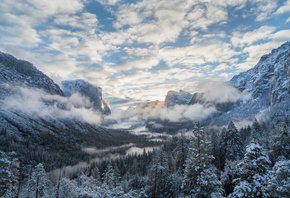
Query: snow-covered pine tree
x=256 y=132
x=109 y=176
x=38 y=182
x=253 y=174
x=234 y=146
x=280 y=143
x=8 y=181
x=222 y=149
x=95 y=173
x=181 y=154
x=67 y=188
x=158 y=175
x=229 y=175
x=279 y=183
x=200 y=179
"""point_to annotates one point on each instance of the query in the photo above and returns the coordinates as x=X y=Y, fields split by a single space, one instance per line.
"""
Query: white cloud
x=284 y=8
x=197 y=55
x=145 y=63
x=281 y=35
x=240 y=39
x=206 y=15
x=221 y=67
x=32 y=101
x=265 y=9
x=86 y=21
x=108 y=2
x=255 y=52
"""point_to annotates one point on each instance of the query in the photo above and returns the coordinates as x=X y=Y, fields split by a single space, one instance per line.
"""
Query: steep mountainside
x=93 y=93
x=268 y=83
x=38 y=122
x=19 y=72
x=269 y=78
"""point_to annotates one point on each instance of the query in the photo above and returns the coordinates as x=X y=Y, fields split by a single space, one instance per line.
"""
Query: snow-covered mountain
x=177 y=98
x=263 y=90
x=93 y=93
x=267 y=84
x=22 y=73
x=269 y=78
x=40 y=123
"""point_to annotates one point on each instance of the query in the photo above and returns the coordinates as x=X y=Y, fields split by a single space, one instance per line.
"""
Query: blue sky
x=139 y=50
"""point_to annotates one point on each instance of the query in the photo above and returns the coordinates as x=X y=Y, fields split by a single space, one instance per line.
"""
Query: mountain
x=268 y=84
x=22 y=73
x=263 y=91
x=177 y=98
x=93 y=93
x=39 y=122
x=269 y=78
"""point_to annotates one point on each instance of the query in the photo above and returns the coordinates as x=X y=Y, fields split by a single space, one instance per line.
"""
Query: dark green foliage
x=280 y=142
x=231 y=146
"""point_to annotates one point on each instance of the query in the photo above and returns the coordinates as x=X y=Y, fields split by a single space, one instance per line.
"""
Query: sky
x=139 y=50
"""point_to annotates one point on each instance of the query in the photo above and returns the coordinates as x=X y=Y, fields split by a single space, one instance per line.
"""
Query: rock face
x=22 y=73
x=268 y=83
x=269 y=78
x=177 y=98
x=93 y=93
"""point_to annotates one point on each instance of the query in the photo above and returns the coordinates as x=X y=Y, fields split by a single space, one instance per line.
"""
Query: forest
x=251 y=162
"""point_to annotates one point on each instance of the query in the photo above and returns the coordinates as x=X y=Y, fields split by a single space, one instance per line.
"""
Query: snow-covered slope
x=93 y=93
x=41 y=125
x=267 y=88
x=177 y=98
x=268 y=83
x=270 y=77
x=22 y=73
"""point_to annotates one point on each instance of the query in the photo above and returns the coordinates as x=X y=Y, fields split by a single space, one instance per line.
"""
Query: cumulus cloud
x=219 y=92
x=256 y=51
x=284 y=8
x=197 y=55
x=240 y=39
x=265 y=9
x=128 y=50
x=36 y=102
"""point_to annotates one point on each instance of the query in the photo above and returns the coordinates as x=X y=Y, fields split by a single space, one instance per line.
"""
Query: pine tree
x=95 y=173
x=280 y=143
x=158 y=175
x=181 y=154
x=253 y=174
x=67 y=188
x=234 y=146
x=256 y=132
x=8 y=181
x=231 y=146
x=229 y=175
x=38 y=181
x=109 y=176
x=222 y=148
x=200 y=179
x=279 y=183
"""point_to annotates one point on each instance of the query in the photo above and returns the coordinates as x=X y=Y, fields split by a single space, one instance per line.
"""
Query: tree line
x=251 y=162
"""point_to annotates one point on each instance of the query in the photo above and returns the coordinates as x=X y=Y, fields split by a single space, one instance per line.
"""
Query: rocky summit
x=93 y=93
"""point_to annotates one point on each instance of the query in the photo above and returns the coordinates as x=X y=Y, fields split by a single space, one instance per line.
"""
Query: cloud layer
x=142 y=49
x=36 y=102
